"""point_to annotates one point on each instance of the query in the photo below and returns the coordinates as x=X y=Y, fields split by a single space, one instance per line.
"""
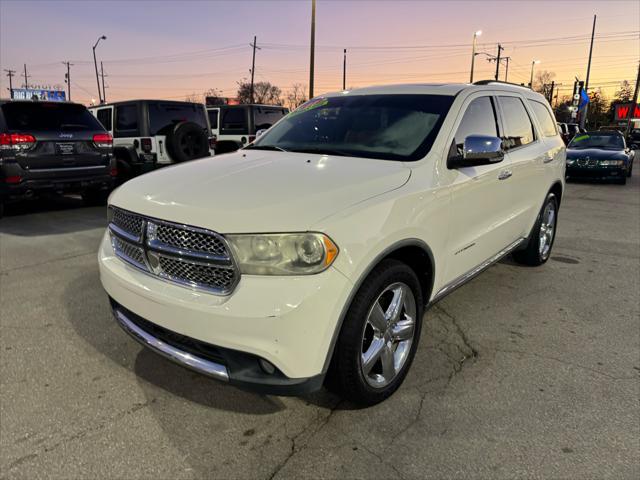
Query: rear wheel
x=542 y=236
x=187 y=141
x=379 y=335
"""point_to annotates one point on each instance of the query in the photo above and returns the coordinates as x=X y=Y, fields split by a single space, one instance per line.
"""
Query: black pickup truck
x=53 y=147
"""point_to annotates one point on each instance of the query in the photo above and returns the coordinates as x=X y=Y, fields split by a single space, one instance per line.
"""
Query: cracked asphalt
x=522 y=373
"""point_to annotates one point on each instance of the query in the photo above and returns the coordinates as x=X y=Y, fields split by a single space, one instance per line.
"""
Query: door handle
x=504 y=174
x=547 y=158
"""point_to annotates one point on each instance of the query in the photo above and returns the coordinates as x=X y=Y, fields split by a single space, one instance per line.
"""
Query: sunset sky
x=168 y=49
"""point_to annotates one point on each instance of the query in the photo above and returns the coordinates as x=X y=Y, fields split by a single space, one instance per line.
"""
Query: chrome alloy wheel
x=547 y=229
x=388 y=334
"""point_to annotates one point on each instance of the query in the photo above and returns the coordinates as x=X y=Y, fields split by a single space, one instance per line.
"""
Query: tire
x=535 y=254
x=370 y=384
x=630 y=170
x=95 y=198
x=1 y=209
x=622 y=180
x=187 y=141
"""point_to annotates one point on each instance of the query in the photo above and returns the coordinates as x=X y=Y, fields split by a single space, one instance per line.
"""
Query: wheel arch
x=416 y=254
x=556 y=189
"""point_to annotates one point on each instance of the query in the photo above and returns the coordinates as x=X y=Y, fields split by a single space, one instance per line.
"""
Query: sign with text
x=39 y=94
x=623 y=111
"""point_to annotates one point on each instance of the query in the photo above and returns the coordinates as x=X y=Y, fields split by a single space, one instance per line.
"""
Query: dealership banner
x=38 y=94
x=623 y=111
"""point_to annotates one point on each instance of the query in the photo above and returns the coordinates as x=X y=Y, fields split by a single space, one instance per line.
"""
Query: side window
x=104 y=116
x=234 y=121
x=518 y=129
x=478 y=119
x=213 y=118
x=266 y=117
x=127 y=117
x=542 y=113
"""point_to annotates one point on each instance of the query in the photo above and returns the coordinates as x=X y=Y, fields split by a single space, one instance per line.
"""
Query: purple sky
x=168 y=49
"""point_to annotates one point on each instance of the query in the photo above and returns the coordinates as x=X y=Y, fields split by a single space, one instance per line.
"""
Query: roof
x=140 y=100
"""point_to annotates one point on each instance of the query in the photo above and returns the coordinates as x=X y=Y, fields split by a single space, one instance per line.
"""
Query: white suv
x=312 y=253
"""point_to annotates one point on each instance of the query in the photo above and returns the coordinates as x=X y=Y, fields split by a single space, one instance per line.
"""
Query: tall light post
x=473 y=53
x=313 y=47
x=533 y=63
x=95 y=63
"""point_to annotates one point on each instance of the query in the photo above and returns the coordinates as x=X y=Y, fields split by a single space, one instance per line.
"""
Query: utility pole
x=104 y=95
x=344 y=70
x=633 y=104
x=553 y=85
x=313 y=47
x=10 y=74
x=253 y=64
x=67 y=79
x=506 y=73
x=473 y=53
x=500 y=48
x=583 y=117
x=26 y=78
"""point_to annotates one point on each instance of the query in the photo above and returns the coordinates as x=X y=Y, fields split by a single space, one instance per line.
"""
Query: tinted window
x=478 y=119
x=163 y=117
x=517 y=124
x=234 y=121
x=48 y=116
x=542 y=113
x=387 y=127
x=127 y=117
x=104 y=117
x=265 y=117
x=213 y=118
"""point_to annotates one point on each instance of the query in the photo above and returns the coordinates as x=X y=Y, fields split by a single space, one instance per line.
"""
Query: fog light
x=267 y=367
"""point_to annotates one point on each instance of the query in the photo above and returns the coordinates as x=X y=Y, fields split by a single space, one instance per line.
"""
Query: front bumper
x=288 y=321
x=596 y=172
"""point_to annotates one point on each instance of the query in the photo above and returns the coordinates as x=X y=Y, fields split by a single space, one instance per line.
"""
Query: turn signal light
x=13 y=179
x=145 y=143
x=103 y=140
x=16 y=141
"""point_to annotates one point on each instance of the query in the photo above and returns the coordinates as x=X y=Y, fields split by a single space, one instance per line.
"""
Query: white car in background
x=312 y=254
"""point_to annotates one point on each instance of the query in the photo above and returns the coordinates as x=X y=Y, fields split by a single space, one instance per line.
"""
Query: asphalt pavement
x=522 y=373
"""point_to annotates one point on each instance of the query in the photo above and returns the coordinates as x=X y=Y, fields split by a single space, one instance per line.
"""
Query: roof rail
x=488 y=82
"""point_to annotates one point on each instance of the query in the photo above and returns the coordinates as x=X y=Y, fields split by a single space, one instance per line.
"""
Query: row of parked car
x=62 y=147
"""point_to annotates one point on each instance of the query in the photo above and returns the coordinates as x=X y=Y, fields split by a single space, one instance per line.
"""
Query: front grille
x=190 y=240
x=196 y=273
x=185 y=255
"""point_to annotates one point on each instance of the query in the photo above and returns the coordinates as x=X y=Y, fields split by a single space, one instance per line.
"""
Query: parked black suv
x=53 y=147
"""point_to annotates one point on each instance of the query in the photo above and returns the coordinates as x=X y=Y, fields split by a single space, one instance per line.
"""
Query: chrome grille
x=197 y=274
x=127 y=221
x=190 y=240
x=186 y=255
x=129 y=252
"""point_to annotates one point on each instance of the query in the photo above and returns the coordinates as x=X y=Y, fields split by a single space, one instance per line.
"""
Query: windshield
x=387 y=127
x=597 y=140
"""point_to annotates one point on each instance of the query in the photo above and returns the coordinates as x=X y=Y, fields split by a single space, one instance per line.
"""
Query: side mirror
x=260 y=132
x=478 y=150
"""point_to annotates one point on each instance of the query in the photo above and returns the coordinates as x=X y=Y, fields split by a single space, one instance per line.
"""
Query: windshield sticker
x=581 y=137
x=310 y=105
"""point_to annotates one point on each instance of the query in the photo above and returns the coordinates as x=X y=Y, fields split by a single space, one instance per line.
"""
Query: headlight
x=612 y=163
x=283 y=254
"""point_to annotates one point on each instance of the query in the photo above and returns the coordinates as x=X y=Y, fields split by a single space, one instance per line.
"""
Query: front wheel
x=542 y=236
x=379 y=335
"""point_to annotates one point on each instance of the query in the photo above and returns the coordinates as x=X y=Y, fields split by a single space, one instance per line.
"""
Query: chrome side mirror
x=482 y=149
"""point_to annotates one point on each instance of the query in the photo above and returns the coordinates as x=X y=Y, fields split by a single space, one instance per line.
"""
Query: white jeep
x=148 y=134
x=312 y=254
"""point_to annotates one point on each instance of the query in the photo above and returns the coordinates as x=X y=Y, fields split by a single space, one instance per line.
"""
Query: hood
x=259 y=191
x=595 y=154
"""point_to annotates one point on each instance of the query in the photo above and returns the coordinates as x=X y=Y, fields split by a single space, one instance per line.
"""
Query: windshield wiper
x=265 y=147
x=321 y=151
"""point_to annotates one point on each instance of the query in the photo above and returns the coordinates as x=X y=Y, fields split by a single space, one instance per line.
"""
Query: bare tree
x=212 y=92
x=193 y=97
x=543 y=78
x=263 y=92
x=296 y=96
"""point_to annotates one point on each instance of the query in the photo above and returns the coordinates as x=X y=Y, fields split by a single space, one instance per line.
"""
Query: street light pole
x=473 y=53
x=583 y=117
x=95 y=64
x=532 y=65
x=344 y=70
x=313 y=47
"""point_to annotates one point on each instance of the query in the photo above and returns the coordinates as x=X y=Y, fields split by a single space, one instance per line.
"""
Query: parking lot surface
x=522 y=373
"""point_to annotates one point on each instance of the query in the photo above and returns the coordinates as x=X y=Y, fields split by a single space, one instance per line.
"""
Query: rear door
x=64 y=134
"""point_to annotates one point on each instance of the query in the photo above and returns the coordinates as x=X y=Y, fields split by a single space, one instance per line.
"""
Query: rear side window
x=105 y=117
x=265 y=117
x=518 y=129
x=127 y=117
x=34 y=116
x=478 y=119
x=542 y=113
x=163 y=117
x=213 y=118
x=234 y=121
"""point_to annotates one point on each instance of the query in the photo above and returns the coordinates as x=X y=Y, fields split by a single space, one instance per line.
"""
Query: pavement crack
x=459 y=331
x=53 y=260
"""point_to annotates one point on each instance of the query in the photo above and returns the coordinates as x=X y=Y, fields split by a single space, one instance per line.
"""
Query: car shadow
x=53 y=215
x=101 y=333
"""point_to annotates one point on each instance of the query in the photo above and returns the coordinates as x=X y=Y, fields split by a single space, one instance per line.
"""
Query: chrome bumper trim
x=200 y=365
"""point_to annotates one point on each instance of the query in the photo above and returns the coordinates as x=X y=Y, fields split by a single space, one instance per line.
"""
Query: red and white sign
x=623 y=111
